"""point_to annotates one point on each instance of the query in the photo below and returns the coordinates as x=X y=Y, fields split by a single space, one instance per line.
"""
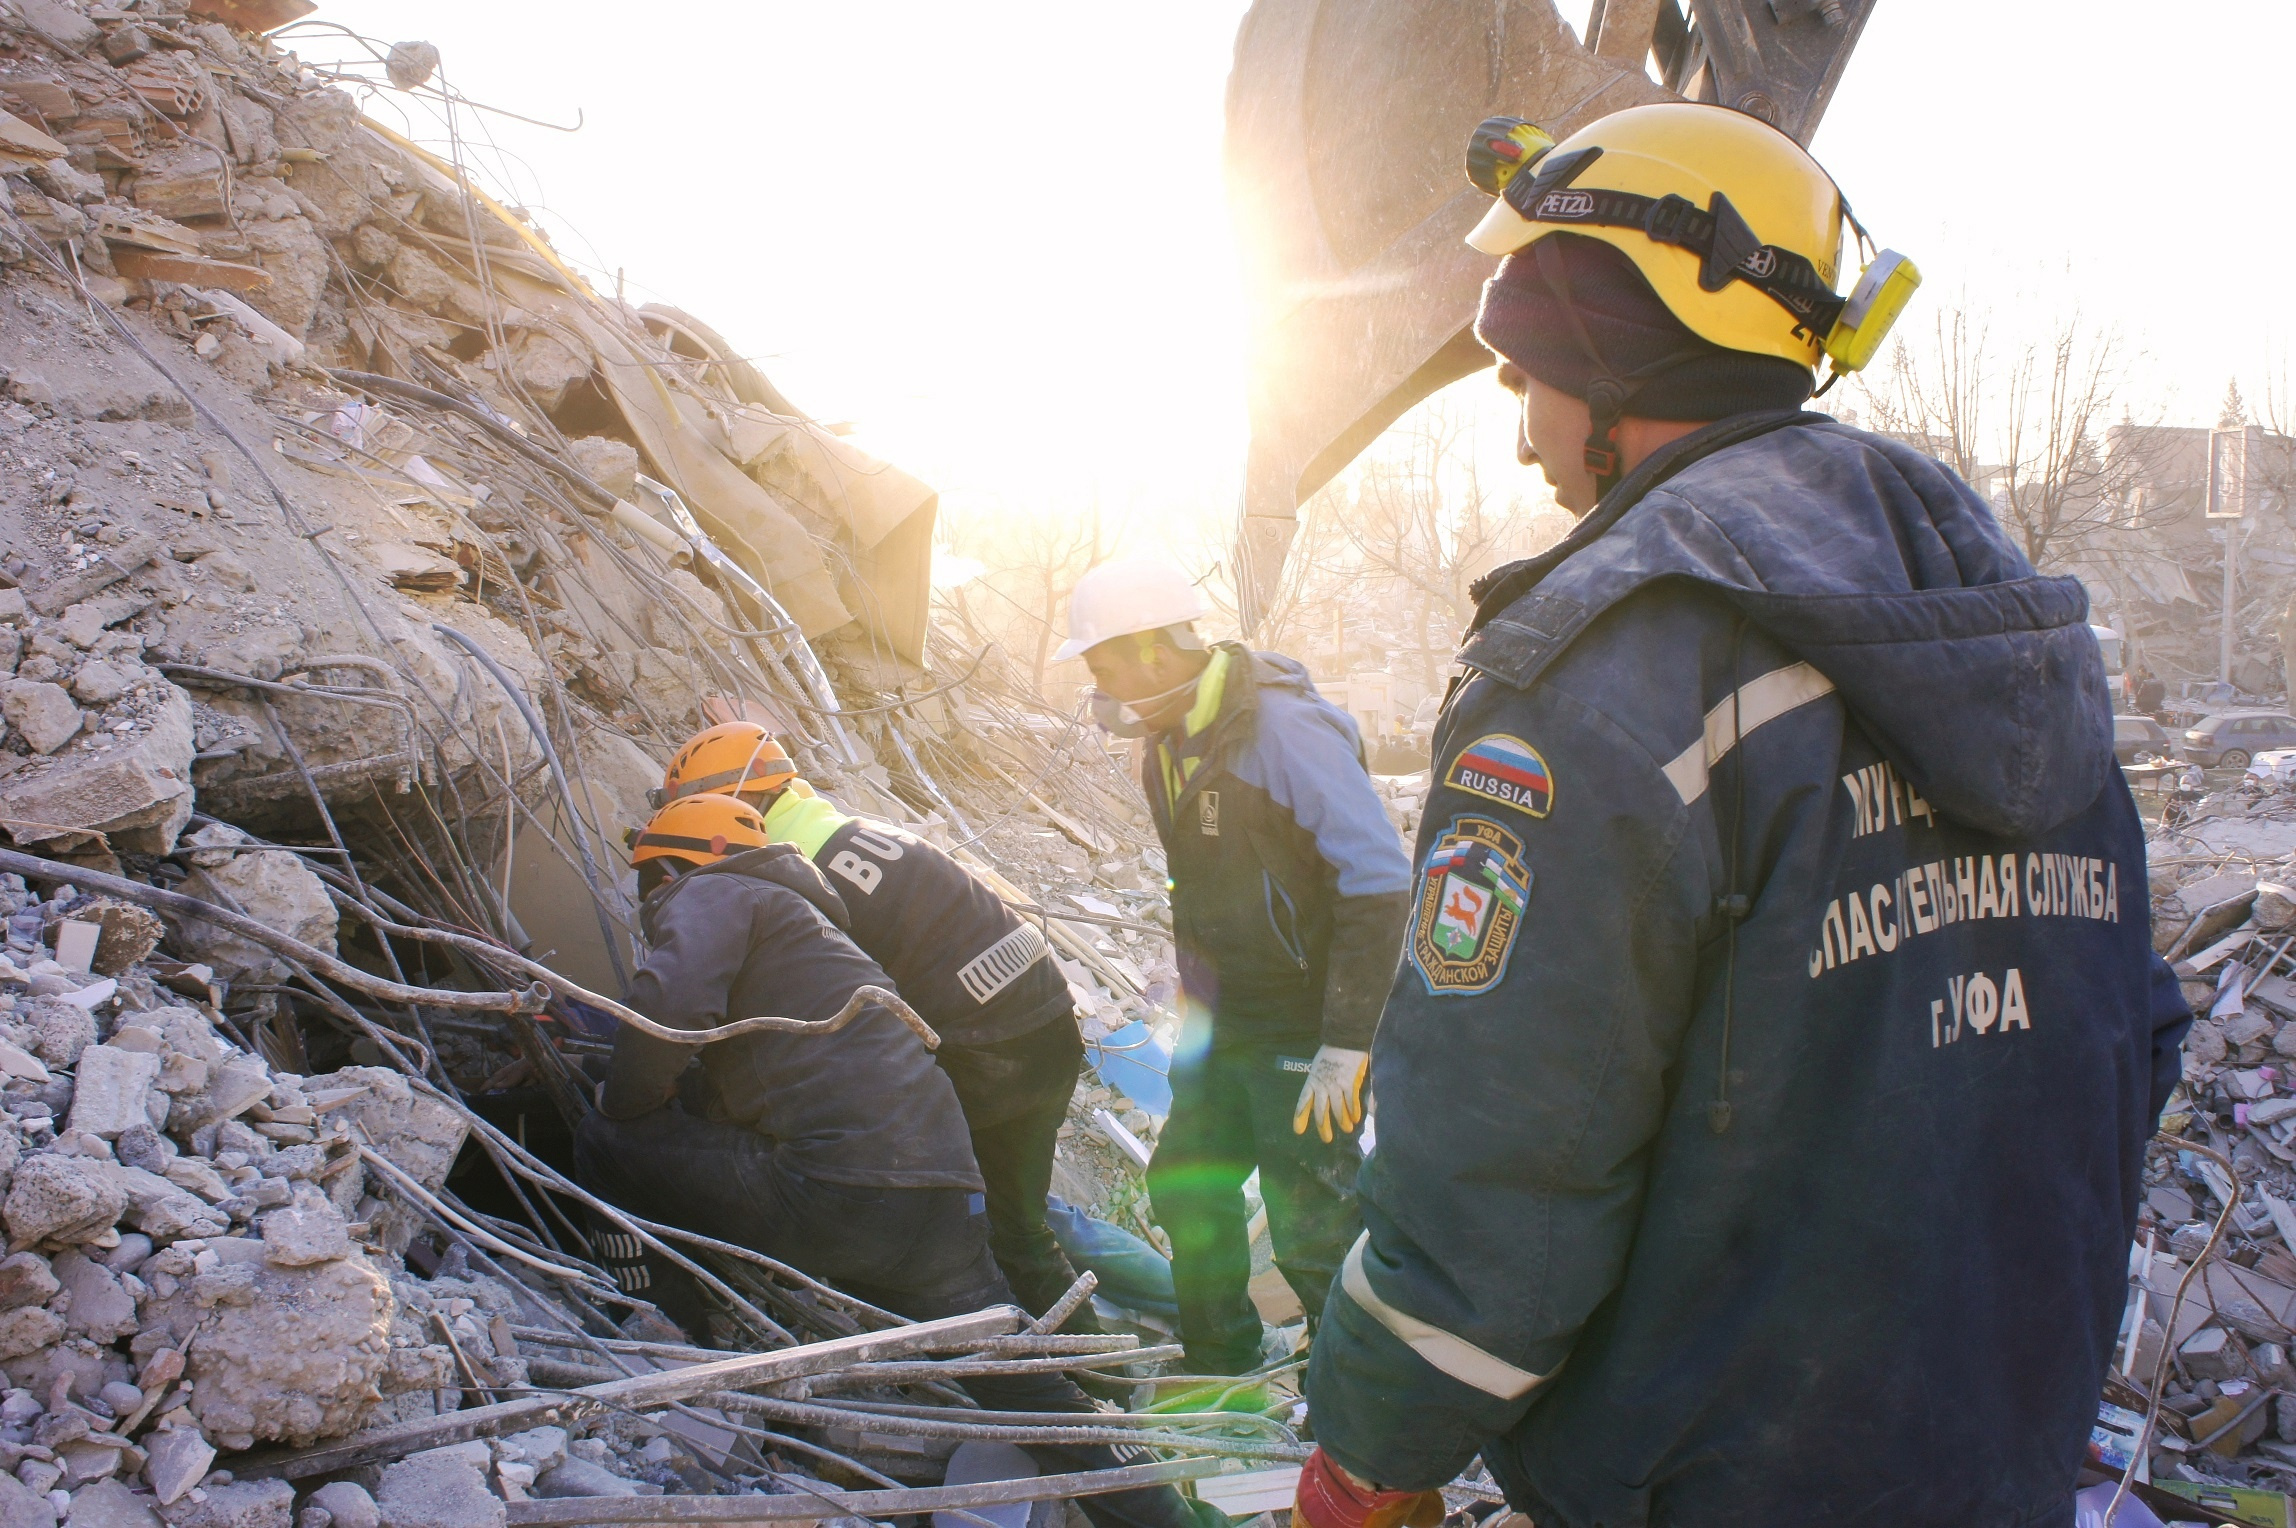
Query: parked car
x=2229 y=739
x=2276 y=767
x=2133 y=735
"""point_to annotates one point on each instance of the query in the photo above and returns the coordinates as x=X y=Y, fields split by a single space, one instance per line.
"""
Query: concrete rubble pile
x=359 y=565
x=2223 y=882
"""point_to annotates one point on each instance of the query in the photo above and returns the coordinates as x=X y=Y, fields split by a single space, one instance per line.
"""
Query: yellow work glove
x=1334 y=1091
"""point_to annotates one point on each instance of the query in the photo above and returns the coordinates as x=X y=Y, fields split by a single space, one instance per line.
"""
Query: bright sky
x=993 y=234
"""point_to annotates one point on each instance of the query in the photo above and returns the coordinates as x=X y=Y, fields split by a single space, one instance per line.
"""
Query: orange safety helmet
x=699 y=830
x=730 y=759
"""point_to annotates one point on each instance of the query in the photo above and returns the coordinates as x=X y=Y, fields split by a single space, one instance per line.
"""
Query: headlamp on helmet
x=1502 y=148
x=1714 y=207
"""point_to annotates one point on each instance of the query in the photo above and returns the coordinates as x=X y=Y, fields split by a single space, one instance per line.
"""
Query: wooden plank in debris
x=635 y=1393
x=1078 y=833
x=21 y=141
x=194 y=270
x=566 y=1512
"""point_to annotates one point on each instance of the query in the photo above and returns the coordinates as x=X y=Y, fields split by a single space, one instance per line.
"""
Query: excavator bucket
x=1347 y=128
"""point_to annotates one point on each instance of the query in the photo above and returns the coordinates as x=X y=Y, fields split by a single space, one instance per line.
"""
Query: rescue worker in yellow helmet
x=842 y=1153
x=975 y=971
x=1764 y=1090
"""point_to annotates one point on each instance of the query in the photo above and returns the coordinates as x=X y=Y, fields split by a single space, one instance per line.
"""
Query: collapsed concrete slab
x=134 y=788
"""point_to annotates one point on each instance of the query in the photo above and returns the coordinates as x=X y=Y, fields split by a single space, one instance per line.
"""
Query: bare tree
x=2029 y=434
x=1030 y=559
x=1422 y=524
x=1384 y=555
x=1933 y=396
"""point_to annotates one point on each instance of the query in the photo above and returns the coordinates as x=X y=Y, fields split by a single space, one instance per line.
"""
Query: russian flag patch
x=1506 y=770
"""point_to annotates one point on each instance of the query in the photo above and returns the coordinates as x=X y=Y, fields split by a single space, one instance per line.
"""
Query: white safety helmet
x=1131 y=594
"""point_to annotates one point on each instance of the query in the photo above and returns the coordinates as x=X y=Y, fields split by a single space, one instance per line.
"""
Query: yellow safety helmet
x=732 y=758
x=699 y=830
x=1735 y=227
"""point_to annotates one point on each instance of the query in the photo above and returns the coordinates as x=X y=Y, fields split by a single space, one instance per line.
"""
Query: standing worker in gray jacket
x=1289 y=890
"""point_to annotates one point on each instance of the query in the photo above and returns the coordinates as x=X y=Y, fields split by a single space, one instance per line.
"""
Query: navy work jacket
x=1764 y=1092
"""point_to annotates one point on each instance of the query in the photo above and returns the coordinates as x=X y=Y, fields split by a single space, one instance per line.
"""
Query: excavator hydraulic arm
x=1347 y=125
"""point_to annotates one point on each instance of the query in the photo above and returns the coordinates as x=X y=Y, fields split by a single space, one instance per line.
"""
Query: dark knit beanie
x=1525 y=320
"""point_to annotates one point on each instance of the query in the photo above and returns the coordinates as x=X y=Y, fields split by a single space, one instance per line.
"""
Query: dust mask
x=1123 y=718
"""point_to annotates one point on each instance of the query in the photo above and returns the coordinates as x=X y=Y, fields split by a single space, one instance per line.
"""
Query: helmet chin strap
x=1608 y=395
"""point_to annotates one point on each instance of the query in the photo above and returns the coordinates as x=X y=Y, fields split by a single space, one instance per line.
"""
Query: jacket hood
x=1880 y=568
x=782 y=864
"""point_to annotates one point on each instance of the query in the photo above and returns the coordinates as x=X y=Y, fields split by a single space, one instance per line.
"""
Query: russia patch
x=1506 y=770
x=1472 y=893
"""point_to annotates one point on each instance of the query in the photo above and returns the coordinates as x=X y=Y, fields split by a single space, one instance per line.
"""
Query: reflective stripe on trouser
x=1455 y=1356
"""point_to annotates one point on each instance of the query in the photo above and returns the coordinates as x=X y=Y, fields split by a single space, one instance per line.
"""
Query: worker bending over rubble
x=964 y=960
x=1765 y=1091
x=1289 y=890
x=841 y=1153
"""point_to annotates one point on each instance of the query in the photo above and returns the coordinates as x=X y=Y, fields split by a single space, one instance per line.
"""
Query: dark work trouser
x=1015 y=1094
x=1232 y=1111
x=918 y=1252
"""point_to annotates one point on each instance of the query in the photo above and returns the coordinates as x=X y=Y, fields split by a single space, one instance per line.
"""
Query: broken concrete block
x=442 y=1488
x=25 y=1279
x=59 y=25
x=110 y=1090
x=273 y=887
x=2245 y=1027
x=185 y=183
x=543 y=1448
x=109 y=1504
x=179 y=1458
x=545 y=367
x=417 y=1134
x=23 y=1507
x=58 y=1198
x=580 y=1477
x=137 y=794
x=76 y=944
x=42 y=713
x=231 y=1088
x=163 y=1210
x=98 y=683
x=347 y=1505
x=86 y=1460
x=2215 y=1353
x=112 y=563
x=83 y=625
x=420 y=279
x=298 y=1236
x=17 y=1062
x=611 y=464
x=241 y=1504
x=129 y=933
x=101 y=1307
x=2268 y=1111
x=291 y=1356
x=65 y=1030
x=28 y=1329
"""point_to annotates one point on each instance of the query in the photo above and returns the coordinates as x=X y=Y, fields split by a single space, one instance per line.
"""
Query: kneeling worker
x=975 y=972
x=842 y=1153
